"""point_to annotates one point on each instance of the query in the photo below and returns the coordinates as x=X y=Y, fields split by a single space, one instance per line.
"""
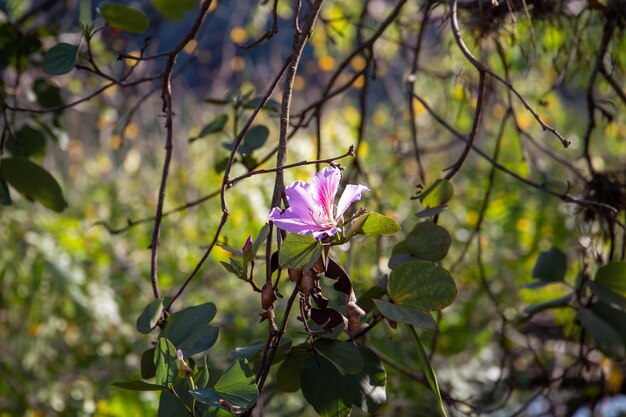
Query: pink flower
x=247 y=245
x=312 y=209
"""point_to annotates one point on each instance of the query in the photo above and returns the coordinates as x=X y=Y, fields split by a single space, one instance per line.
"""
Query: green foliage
x=299 y=251
x=612 y=277
x=333 y=394
x=235 y=391
x=189 y=329
x=165 y=362
x=373 y=224
x=148 y=319
x=607 y=338
x=425 y=365
x=33 y=182
x=427 y=241
x=421 y=285
x=60 y=59
x=124 y=17
x=436 y=194
x=174 y=9
x=27 y=143
x=551 y=266
x=214 y=126
x=406 y=314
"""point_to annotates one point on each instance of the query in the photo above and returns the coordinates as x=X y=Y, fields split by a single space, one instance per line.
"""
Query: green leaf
x=124 y=17
x=344 y=355
x=437 y=193
x=248 y=352
x=427 y=368
x=607 y=296
x=60 y=59
x=366 y=300
x=550 y=266
x=373 y=224
x=48 y=95
x=33 y=182
x=171 y=405
x=263 y=233
x=166 y=363
x=555 y=303
x=333 y=394
x=5 y=194
x=188 y=329
x=406 y=314
x=254 y=139
x=324 y=388
x=366 y=389
x=237 y=386
x=430 y=212
x=150 y=316
x=607 y=338
x=174 y=9
x=214 y=126
x=138 y=386
x=288 y=374
x=612 y=276
x=27 y=143
x=271 y=105
x=614 y=317
x=427 y=241
x=298 y=251
x=421 y=285
x=148 y=370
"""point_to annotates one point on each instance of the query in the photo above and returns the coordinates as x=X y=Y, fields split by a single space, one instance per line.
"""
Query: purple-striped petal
x=351 y=194
x=324 y=189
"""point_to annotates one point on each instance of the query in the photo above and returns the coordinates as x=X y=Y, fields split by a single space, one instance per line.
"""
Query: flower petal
x=299 y=199
x=291 y=222
x=351 y=194
x=324 y=189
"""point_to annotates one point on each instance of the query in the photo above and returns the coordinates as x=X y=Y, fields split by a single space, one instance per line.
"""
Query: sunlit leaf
x=373 y=224
x=124 y=17
x=33 y=182
x=166 y=362
x=437 y=193
x=236 y=385
x=298 y=250
x=60 y=59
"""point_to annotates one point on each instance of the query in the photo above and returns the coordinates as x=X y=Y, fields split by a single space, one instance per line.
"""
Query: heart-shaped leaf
x=421 y=285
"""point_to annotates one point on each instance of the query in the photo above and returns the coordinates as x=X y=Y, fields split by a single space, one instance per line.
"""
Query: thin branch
x=169 y=145
x=454 y=23
x=470 y=140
